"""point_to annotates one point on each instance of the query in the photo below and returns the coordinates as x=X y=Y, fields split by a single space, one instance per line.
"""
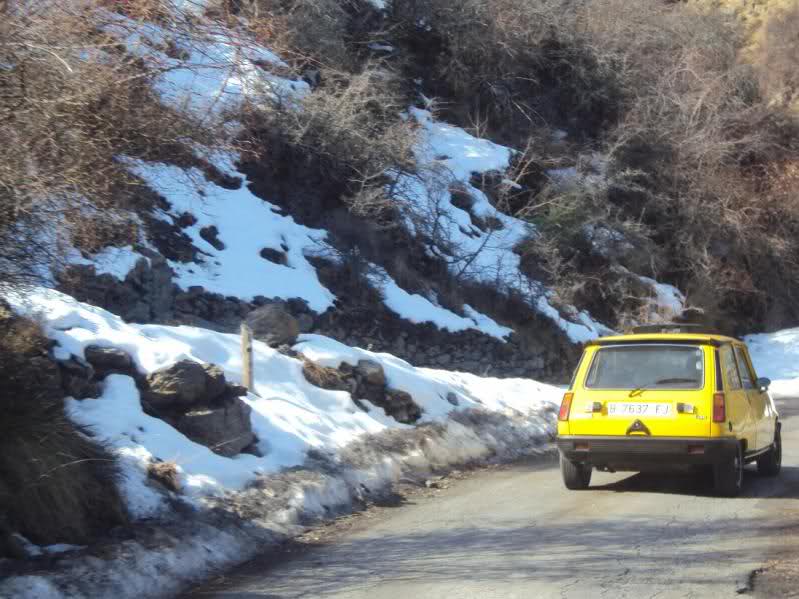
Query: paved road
x=516 y=533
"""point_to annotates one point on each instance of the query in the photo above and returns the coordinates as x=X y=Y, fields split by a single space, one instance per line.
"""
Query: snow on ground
x=209 y=67
x=419 y=309
x=776 y=356
x=290 y=416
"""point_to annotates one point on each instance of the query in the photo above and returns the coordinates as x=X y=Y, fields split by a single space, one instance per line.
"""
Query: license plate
x=651 y=410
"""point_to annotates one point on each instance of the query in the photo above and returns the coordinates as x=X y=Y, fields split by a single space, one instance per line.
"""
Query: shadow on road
x=785 y=486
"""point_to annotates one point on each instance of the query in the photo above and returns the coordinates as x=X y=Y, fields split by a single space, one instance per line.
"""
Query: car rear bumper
x=637 y=450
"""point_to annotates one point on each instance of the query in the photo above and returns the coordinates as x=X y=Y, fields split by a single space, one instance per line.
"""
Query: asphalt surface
x=517 y=533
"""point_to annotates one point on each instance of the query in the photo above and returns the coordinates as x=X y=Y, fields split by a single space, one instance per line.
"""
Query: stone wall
x=539 y=350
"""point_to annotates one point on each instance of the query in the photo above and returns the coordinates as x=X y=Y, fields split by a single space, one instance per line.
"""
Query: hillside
x=422 y=208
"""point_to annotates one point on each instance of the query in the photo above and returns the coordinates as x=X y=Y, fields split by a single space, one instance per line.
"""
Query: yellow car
x=668 y=395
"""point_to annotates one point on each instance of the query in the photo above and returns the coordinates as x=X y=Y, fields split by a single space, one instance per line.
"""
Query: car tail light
x=719 y=408
x=565 y=406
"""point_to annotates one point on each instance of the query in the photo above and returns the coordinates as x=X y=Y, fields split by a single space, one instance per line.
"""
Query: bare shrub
x=340 y=141
x=303 y=31
x=776 y=55
x=703 y=138
x=73 y=102
x=516 y=64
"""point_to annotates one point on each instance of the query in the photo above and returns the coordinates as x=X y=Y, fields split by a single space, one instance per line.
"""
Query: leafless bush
x=777 y=53
x=304 y=31
x=73 y=100
x=704 y=136
x=516 y=64
x=346 y=135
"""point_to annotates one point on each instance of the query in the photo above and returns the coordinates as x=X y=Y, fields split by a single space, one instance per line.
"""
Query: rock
x=400 y=406
x=371 y=371
x=235 y=391
x=15 y=547
x=107 y=360
x=226 y=430
x=181 y=385
x=211 y=235
x=273 y=325
x=305 y=322
x=453 y=399
x=275 y=256
x=216 y=385
x=186 y=219
x=324 y=377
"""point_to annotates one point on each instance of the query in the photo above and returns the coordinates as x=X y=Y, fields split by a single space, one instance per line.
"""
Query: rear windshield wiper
x=639 y=390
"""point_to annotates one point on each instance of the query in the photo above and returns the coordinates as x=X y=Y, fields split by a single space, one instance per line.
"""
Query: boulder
x=108 y=360
x=226 y=429
x=273 y=325
x=371 y=372
x=453 y=399
x=183 y=384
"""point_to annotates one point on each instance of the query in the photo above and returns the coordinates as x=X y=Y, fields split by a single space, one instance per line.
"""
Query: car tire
x=770 y=463
x=576 y=476
x=728 y=475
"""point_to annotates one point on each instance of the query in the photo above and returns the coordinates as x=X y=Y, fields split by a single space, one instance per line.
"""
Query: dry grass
x=56 y=484
x=324 y=377
x=166 y=474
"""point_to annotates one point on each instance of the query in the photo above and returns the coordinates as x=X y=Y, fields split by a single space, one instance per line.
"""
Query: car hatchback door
x=652 y=389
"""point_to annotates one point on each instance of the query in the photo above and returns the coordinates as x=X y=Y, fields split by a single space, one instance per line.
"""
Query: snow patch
x=419 y=309
x=246 y=224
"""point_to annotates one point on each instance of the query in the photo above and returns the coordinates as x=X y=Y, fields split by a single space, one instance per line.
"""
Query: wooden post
x=246 y=357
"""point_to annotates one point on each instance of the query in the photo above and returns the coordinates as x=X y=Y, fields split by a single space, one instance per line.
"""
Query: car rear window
x=647 y=366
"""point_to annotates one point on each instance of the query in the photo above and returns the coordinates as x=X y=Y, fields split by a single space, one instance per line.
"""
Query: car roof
x=707 y=339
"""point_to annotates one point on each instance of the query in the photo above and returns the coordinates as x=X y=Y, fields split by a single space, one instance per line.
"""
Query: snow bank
x=290 y=416
x=321 y=453
x=776 y=356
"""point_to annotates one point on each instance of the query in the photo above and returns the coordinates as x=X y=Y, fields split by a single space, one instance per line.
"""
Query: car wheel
x=728 y=476
x=770 y=463
x=576 y=476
